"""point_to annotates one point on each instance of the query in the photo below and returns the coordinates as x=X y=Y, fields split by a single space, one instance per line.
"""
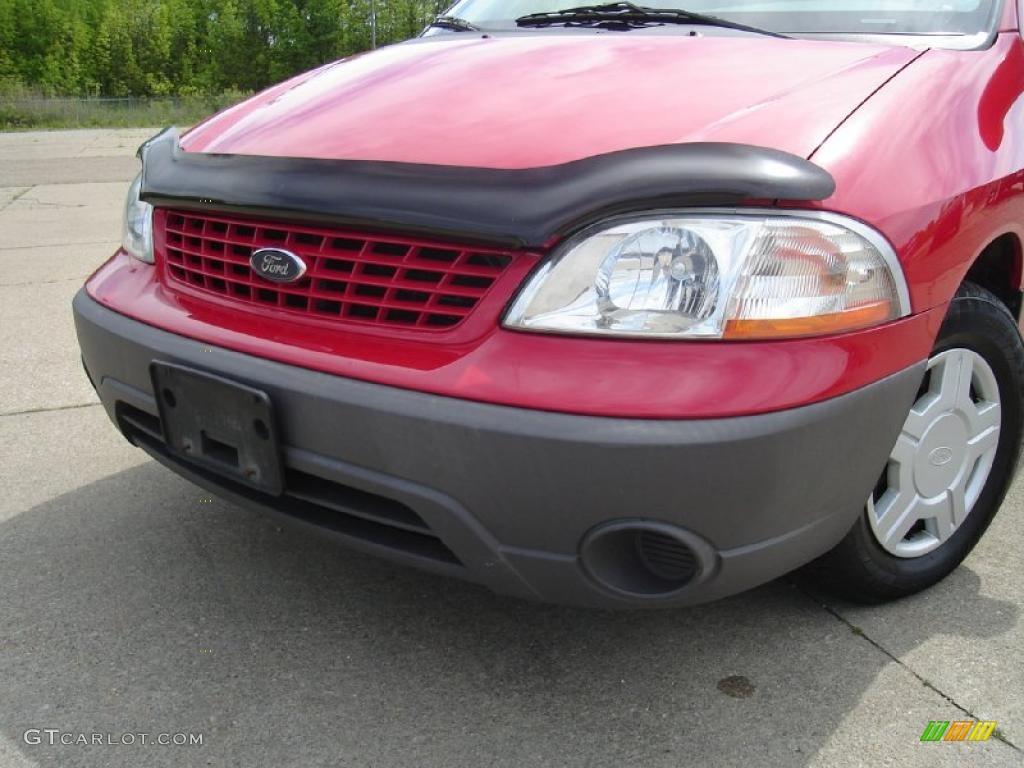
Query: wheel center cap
x=940 y=455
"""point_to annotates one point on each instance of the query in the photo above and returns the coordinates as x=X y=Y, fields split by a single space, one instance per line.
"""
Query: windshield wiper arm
x=454 y=23
x=631 y=16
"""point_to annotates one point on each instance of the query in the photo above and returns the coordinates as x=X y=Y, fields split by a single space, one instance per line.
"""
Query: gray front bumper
x=504 y=496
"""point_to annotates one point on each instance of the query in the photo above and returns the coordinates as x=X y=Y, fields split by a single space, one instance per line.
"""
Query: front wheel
x=952 y=463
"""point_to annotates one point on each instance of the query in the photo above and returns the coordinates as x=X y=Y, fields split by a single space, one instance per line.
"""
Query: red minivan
x=614 y=305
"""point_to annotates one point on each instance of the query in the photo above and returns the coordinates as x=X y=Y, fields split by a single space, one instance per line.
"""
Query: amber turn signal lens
x=819 y=325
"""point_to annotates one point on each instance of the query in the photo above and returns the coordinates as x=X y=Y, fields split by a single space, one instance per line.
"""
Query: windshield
x=869 y=17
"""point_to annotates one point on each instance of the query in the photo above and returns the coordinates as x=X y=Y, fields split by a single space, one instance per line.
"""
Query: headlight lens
x=716 y=276
x=137 y=234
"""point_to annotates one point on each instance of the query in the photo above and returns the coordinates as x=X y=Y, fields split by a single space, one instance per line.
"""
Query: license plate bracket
x=221 y=425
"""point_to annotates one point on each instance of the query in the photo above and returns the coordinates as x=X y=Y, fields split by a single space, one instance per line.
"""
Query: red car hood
x=531 y=100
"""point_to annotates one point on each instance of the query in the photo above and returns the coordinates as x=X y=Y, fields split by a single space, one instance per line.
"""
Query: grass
x=26 y=114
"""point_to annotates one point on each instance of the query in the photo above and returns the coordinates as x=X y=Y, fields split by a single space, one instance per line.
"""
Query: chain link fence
x=18 y=112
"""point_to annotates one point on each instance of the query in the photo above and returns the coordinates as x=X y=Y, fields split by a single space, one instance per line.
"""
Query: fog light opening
x=644 y=559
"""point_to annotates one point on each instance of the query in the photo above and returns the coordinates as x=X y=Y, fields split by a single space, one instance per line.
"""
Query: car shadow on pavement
x=138 y=604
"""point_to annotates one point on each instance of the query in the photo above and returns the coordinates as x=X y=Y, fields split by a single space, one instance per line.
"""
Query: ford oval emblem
x=277 y=265
x=940 y=457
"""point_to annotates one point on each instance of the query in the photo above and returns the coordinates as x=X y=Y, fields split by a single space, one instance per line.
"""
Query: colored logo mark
x=958 y=730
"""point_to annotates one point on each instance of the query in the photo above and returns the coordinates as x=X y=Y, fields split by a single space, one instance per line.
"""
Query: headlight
x=716 y=276
x=137 y=234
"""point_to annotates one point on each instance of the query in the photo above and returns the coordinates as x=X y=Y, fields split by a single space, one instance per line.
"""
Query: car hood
x=530 y=100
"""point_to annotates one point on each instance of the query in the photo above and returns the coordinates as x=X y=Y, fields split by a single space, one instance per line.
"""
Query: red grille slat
x=413 y=263
x=366 y=279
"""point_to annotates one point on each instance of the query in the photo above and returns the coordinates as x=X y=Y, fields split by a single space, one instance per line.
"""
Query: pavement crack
x=18 y=196
x=997 y=735
x=77 y=278
x=36 y=203
x=56 y=245
x=50 y=409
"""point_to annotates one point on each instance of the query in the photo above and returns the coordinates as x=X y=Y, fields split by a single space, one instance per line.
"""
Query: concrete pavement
x=132 y=602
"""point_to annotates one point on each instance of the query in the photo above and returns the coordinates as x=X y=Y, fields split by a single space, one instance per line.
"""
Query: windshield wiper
x=455 y=24
x=630 y=16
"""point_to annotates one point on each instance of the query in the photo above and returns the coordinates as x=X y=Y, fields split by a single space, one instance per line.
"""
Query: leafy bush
x=160 y=48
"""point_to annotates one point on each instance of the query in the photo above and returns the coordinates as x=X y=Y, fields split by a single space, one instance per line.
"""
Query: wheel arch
x=999 y=268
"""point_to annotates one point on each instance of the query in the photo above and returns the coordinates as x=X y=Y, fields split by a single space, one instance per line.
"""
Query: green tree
x=166 y=47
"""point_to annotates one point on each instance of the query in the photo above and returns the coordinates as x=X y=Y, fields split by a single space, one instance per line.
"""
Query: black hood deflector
x=518 y=208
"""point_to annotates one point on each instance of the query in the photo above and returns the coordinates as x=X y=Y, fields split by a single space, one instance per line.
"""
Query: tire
x=863 y=566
